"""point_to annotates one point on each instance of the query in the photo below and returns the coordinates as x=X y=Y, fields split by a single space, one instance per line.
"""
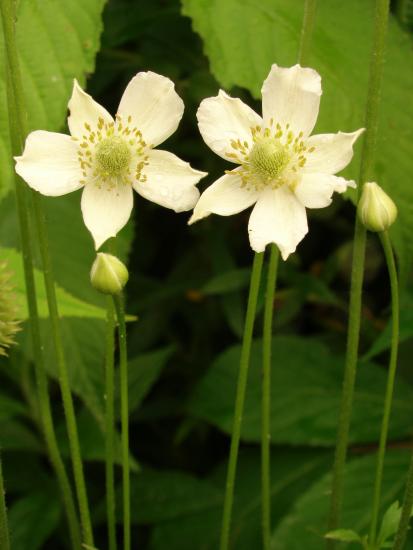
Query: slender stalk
x=16 y=120
x=4 y=524
x=401 y=534
x=123 y=360
x=110 y=425
x=391 y=266
x=310 y=9
x=359 y=246
x=266 y=398
x=240 y=398
x=64 y=381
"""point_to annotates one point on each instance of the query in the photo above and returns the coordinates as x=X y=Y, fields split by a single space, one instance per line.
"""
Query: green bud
x=108 y=274
x=9 y=324
x=376 y=210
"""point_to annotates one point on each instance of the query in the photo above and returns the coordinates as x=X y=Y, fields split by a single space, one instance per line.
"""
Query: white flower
x=111 y=157
x=282 y=170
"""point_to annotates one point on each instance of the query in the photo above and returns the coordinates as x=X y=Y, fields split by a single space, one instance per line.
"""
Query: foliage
x=188 y=286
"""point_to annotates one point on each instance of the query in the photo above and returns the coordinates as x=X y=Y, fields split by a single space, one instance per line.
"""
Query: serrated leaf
x=305 y=525
x=57 y=41
x=242 y=40
x=199 y=527
x=306 y=385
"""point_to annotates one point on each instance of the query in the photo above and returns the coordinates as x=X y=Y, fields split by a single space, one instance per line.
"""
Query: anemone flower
x=282 y=170
x=108 y=158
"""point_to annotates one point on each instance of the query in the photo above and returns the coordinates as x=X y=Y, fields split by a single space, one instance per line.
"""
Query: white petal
x=292 y=96
x=153 y=105
x=316 y=190
x=225 y=197
x=332 y=152
x=106 y=210
x=170 y=181
x=278 y=217
x=49 y=163
x=222 y=119
x=84 y=110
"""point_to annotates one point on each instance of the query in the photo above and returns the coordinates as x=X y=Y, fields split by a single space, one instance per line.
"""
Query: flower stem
x=401 y=534
x=266 y=397
x=123 y=359
x=17 y=133
x=110 y=424
x=4 y=524
x=310 y=8
x=359 y=246
x=64 y=382
x=391 y=266
x=240 y=398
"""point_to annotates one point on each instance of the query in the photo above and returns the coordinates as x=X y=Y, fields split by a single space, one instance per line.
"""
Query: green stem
x=4 y=524
x=391 y=266
x=110 y=425
x=240 y=398
x=310 y=8
x=64 y=381
x=123 y=360
x=359 y=246
x=17 y=133
x=349 y=377
x=401 y=534
x=266 y=398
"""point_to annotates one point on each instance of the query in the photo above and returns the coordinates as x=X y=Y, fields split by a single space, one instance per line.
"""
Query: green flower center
x=268 y=159
x=113 y=156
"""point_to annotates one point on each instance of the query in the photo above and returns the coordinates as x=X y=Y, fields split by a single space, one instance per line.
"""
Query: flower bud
x=376 y=210
x=108 y=274
x=9 y=323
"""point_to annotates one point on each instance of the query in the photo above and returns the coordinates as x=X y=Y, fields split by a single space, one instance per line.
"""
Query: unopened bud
x=376 y=210
x=108 y=274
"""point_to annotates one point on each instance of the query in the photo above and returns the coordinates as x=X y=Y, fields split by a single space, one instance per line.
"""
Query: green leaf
x=15 y=436
x=143 y=371
x=304 y=526
x=33 y=519
x=383 y=342
x=243 y=41
x=84 y=351
x=389 y=523
x=92 y=440
x=69 y=306
x=345 y=535
x=199 y=528
x=57 y=42
x=305 y=395
x=10 y=407
x=229 y=281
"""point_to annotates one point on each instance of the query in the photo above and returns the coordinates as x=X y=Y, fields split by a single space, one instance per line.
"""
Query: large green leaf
x=83 y=342
x=197 y=524
x=69 y=306
x=243 y=39
x=33 y=518
x=305 y=526
x=306 y=388
x=57 y=41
